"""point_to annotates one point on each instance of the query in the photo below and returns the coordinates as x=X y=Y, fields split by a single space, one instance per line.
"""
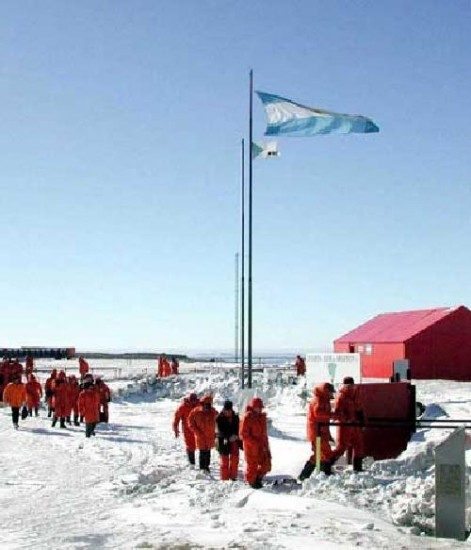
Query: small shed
x=436 y=342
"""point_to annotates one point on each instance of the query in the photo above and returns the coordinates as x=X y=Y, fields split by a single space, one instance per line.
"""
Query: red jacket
x=253 y=432
x=34 y=392
x=14 y=394
x=203 y=423
x=319 y=411
x=89 y=405
x=60 y=402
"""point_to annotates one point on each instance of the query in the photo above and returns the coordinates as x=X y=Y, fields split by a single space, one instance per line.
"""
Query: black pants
x=90 y=428
x=205 y=459
x=15 y=415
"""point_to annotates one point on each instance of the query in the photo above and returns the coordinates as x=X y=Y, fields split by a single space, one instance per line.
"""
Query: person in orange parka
x=348 y=408
x=181 y=417
x=89 y=406
x=60 y=402
x=254 y=434
x=319 y=412
x=34 y=392
x=15 y=395
x=202 y=420
x=84 y=367
x=48 y=390
x=73 y=389
x=300 y=366
x=105 y=397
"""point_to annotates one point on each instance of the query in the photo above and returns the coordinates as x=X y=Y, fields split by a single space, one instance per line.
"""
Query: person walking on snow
x=105 y=397
x=227 y=431
x=34 y=392
x=202 y=421
x=89 y=406
x=84 y=367
x=348 y=408
x=254 y=434
x=319 y=415
x=181 y=417
x=15 y=395
x=48 y=390
x=60 y=400
x=174 y=365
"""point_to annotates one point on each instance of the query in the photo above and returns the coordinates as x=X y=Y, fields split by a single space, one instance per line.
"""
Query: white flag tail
x=265 y=150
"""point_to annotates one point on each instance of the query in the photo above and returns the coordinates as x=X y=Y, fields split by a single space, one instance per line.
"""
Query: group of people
x=204 y=428
x=67 y=398
x=167 y=368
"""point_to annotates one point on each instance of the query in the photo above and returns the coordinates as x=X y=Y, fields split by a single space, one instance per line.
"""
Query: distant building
x=437 y=343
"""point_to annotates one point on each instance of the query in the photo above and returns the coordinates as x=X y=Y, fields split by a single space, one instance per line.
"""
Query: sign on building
x=332 y=367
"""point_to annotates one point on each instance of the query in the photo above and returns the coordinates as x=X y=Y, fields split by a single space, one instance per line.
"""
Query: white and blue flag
x=287 y=118
x=265 y=150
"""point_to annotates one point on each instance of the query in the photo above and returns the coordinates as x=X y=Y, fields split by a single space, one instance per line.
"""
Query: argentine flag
x=287 y=118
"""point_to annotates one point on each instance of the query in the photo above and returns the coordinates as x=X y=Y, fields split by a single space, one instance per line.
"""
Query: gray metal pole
x=242 y=294
x=249 y=305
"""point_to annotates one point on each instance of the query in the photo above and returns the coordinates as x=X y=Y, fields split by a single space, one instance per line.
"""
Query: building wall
x=443 y=350
x=376 y=358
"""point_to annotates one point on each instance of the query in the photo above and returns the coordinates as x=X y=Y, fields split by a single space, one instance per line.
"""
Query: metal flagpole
x=249 y=305
x=236 y=312
x=242 y=290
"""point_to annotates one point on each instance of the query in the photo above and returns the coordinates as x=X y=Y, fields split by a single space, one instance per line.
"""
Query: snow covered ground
x=131 y=486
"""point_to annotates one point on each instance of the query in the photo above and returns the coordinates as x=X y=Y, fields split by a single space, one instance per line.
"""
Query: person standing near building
x=60 y=400
x=254 y=434
x=348 y=408
x=73 y=388
x=227 y=432
x=319 y=415
x=300 y=366
x=202 y=420
x=174 y=365
x=180 y=418
x=15 y=395
x=48 y=390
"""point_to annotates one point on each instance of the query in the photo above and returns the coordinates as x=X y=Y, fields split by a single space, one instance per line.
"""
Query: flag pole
x=242 y=290
x=249 y=305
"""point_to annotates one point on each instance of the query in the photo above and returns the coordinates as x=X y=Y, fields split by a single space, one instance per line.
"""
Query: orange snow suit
x=89 y=405
x=203 y=423
x=181 y=416
x=348 y=408
x=253 y=432
x=34 y=392
x=320 y=411
x=14 y=394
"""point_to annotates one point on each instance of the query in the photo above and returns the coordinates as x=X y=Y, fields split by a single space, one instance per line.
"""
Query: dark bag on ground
x=24 y=412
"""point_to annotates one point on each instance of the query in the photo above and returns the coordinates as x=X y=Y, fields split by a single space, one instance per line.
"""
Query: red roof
x=395 y=327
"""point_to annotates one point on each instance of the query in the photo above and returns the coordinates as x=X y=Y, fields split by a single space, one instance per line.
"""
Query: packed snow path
x=131 y=487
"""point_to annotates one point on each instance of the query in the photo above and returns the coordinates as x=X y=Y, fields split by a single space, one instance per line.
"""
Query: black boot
x=76 y=421
x=49 y=412
x=68 y=420
x=36 y=411
x=54 y=421
x=326 y=467
x=306 y=471
x=205 y=457
x=62 y=423
x=358 y=464
x=191 y=457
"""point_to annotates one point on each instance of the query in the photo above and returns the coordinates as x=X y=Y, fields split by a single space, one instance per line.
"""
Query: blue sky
x=120 y=169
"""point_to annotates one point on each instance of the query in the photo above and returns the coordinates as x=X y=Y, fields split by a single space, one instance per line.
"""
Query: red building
x=437 y=343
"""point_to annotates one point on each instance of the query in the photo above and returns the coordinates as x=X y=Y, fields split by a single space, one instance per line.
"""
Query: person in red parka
x=60 y=400
x=29 y=365
x=48 y=390
x=181 y=417
x=174 y=365
x=73 y=389
x=89 y=406
x=34 y=392
x=348 y=408
x=105 y=397
x=202 y=420
x=319 y=415
x=254 y=435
